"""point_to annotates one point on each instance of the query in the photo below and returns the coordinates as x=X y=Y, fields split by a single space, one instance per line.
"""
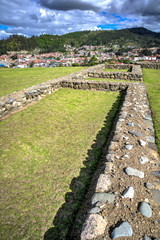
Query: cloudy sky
x=36 y=17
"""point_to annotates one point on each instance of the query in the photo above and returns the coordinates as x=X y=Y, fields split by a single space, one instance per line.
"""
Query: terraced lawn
x=116 y=70
x=151 y=79
x=48 y=152
x=16 y=79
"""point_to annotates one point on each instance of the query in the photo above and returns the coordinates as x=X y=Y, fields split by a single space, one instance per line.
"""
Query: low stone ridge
x=133 y=171
x=134 y=75
x=19 y=99
x=118 y=66
x=151 y=65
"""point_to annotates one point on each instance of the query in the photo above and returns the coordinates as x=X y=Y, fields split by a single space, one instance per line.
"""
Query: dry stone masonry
x=151 y=65
x=129 y=200
x=19 y=99
x=134 y=75
x=126 y=202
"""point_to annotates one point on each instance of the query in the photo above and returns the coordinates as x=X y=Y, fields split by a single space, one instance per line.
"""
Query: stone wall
x=19 y=99
x=151 y=65
x=94 y=85
x=118 y=66
x=127 y=194
x=134 y=75
x=11 y=103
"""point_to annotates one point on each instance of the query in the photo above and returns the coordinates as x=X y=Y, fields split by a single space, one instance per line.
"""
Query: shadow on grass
x=66 y=216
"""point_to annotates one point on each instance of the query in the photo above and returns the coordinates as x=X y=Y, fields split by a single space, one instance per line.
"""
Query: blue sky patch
x=108 y=26
x=3 y=27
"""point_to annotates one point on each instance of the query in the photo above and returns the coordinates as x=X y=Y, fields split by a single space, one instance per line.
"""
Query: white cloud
x=43 y=12
x=3 y=34
x=60 y=16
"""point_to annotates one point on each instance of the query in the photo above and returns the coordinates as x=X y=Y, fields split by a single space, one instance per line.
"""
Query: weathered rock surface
x=156 y=173
x=149 y=185
x=142 y=143
x=143 y=160
x=124 y=230
x=99 y=199
x=150 y=139
x=137 y=134
x=128 y=147
x=134 y=172
x=128 y=192
x=145 y=209
x=146 y=238
x=156 y=195
x=94 y=210
x=93 y=227
x=103 y=183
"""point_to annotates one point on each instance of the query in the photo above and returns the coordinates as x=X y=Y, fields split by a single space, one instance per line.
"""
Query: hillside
x=137 y=37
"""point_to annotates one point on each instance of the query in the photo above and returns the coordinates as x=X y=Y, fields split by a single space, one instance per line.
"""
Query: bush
x=75 y=65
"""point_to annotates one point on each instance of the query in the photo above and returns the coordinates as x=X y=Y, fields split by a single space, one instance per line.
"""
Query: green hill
x=137 y=37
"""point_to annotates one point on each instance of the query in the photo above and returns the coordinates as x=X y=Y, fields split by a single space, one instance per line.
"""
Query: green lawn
x=151 y=79
x=16 y=79
x=115 y=70
x=48 y=152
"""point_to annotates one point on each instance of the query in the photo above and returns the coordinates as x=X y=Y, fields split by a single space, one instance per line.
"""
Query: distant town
x=82 y=56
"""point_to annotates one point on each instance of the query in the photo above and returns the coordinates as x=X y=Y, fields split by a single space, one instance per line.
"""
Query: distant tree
x=72 y=44
x=76 y=51
x=31 y=64
x=158 y=51
x=146 y=52
x=85 y=62
x=126 y=61
x=14 y=57
x=92 y=61
x=75 y=65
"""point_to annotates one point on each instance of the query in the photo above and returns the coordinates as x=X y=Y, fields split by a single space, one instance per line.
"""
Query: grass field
x=48 y=152
x=16 y=79
x=116 y=70
x=151 y=79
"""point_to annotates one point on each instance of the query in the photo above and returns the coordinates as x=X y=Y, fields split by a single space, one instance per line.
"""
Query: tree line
x=135 y=37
